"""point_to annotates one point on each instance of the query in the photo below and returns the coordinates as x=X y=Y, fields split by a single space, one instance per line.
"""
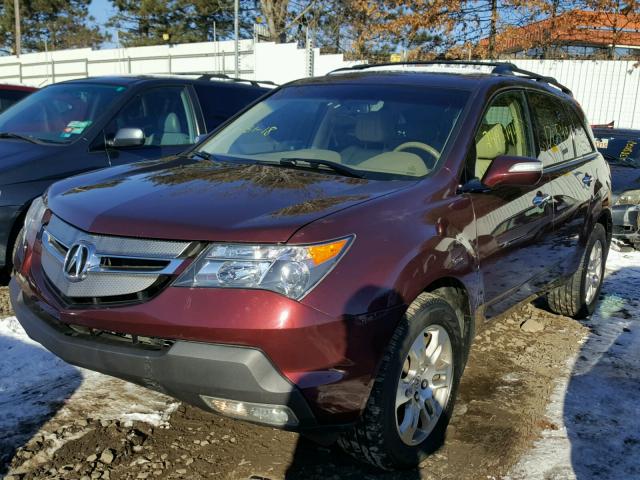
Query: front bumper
x=185 y=370
x=626 y=223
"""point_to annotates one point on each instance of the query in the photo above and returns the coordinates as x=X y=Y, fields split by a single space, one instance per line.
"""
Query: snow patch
x=37 y=387
x=596 y=401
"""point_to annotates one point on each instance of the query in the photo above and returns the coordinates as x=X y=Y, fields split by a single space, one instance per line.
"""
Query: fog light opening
x=276 y=415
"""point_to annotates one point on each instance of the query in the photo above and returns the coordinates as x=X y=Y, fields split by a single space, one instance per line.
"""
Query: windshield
x=59 y=113
x=379 y=131
x=618 y=148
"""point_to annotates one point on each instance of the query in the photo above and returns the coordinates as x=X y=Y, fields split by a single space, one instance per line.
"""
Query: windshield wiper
x=619 y=161
x=202 y=154
x=26 y=138
x=315 y=163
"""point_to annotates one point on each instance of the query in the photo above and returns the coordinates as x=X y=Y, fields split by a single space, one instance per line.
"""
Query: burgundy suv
x=323 y=261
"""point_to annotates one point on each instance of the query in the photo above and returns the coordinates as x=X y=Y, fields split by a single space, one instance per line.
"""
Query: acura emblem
x=77 y=261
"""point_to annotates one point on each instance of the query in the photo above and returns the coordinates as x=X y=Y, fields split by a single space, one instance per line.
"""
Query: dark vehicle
x=81 y=125
x=10 y=94
x=621 y=148
x=323 y=262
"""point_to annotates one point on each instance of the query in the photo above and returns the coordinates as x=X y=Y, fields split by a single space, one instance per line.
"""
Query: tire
x=376 y=438
x=16 y=245
x=573 y=298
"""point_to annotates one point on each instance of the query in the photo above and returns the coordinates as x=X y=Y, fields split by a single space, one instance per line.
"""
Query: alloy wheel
x=425 y=385
x=594 y=272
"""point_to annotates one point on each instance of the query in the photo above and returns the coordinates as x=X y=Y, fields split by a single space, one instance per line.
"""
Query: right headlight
x=291 y=270
x=630 y=197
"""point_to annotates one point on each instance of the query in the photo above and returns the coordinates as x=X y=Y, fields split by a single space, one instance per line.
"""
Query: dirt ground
x=499 y=413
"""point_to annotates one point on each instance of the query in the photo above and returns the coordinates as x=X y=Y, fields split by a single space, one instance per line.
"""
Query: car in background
x=10 y=94
x=621 y=148
x=81 y=125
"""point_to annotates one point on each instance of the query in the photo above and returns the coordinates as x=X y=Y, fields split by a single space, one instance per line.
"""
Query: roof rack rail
x=224 y=76
x=499 y=68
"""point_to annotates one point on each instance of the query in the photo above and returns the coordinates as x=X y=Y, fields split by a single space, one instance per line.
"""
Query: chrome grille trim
x=119 y=265
x=58 y=250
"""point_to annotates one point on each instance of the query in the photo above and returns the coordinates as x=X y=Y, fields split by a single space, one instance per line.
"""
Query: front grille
x=139 y=341
x=119 y=269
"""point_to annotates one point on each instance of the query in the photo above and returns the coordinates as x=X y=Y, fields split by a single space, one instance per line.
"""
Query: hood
x=189 y=199
x=16 y=155
x=624 y=178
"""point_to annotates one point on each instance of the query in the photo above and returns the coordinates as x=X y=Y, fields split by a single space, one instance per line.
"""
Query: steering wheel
x=420 y=146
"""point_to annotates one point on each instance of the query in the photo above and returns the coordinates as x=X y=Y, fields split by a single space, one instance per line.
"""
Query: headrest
x=493 y=143
x=172 y=124
x=375 y=127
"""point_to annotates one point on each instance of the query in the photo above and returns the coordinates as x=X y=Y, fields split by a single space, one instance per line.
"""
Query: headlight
x=288 y=269
x=630 y=197
x=33 y=220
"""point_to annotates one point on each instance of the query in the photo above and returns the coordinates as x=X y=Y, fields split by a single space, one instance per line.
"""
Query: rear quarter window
x=219 y=102
x=553 y=129
x=581 y=139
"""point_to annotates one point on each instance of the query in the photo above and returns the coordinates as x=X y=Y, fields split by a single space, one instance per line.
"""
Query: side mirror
x=506 y=170
x=128 y=137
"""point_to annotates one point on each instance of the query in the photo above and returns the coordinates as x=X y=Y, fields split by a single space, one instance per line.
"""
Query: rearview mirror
x=507 y=170
x=128 y=137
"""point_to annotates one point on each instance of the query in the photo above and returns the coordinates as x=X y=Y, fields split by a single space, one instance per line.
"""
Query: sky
x=102 y=10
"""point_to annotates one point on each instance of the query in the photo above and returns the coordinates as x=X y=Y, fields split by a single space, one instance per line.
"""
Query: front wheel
x=578 y=296
x=413 y=395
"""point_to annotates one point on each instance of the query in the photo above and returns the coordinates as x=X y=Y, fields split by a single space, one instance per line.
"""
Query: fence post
x=20 y=71
x=53 y=71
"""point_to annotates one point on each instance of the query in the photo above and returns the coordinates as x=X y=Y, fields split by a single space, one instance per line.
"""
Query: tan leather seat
x=372 y=130
x=400 y=163
x=492 y=144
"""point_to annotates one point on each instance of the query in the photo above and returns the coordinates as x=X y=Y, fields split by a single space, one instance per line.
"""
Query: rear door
x=513 y=223
x=219 y=101
x=570 y=160
x=165 y=115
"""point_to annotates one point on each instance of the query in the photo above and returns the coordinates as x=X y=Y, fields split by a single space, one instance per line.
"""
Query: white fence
x=257 y=61
x=607 y=90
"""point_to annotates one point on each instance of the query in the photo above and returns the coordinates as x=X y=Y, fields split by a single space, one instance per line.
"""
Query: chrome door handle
x=540 y=200
x=587 y=179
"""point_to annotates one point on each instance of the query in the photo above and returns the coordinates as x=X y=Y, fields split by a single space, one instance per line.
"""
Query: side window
x=503 y=131
x=8 y=98
x=164 y=114
x=581 y=140
x=552 y=127
x=220 y=102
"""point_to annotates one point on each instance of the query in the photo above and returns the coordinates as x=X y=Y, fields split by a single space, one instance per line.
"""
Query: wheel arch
x=18 y=223
x=456 y=293
x=606 y=220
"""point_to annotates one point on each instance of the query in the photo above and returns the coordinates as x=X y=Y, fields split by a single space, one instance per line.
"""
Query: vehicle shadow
x=34 y=384
x=602 y=403
x=310 y=459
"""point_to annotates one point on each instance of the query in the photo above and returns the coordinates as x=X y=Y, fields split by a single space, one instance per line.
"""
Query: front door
x=165 y=115
x=514 y=224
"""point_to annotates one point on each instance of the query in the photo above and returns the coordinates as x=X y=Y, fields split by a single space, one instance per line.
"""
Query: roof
x=22 y=88
x=575 y=27
x=129 y=80
x=462 y=81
